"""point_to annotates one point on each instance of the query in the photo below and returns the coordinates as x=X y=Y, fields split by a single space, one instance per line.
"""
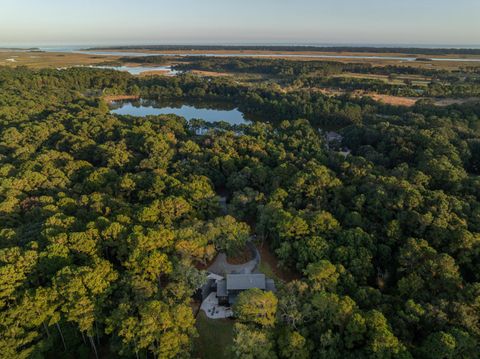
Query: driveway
x=221 y=267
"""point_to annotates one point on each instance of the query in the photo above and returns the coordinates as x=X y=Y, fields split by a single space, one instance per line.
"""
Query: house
x=210 y=286
x=230 y=287
x=333 y=137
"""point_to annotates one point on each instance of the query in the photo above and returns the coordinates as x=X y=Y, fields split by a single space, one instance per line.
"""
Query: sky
x=349 y=22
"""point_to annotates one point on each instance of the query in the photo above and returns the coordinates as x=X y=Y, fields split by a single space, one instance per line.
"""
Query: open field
x=50 y=59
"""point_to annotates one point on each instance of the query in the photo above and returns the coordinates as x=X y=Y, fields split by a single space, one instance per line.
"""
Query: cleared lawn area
x=215 y=337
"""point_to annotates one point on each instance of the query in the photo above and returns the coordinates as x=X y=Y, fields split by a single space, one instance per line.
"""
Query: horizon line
x=239 y=44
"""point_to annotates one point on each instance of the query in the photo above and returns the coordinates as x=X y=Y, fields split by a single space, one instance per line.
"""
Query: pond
x=137 y=70
x=209 y=112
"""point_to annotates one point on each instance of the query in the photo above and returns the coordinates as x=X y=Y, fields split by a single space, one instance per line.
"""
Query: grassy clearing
x=215 y=337
x=393 y=100
x=155 y=73
x=50 y=59
x=211 y=73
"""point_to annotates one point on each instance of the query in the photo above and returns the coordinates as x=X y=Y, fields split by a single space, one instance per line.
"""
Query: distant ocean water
x=405 y=58
x=68 y=48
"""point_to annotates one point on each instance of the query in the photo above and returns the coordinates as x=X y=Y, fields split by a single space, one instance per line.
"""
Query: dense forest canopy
x=105 y=220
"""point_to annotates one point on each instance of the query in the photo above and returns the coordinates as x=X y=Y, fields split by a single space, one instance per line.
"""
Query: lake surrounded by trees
x=209 y=112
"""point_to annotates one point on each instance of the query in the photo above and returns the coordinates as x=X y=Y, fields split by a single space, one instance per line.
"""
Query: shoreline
x=112 y=98
x=327 y=54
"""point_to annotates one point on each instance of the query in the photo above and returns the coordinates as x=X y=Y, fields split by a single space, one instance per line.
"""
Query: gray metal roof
x=270 y=284
x=222 y=288
x=245 y=281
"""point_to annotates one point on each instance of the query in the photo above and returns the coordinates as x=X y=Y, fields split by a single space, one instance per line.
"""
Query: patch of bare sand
x=155 y=73
x=112 y=98
x=210 y=73
x=393 y=100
